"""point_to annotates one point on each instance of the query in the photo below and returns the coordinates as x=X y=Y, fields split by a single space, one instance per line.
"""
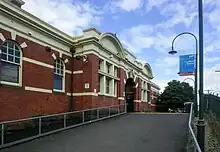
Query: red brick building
x=45 y=71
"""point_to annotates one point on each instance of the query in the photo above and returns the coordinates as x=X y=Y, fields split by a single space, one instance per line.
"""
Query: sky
x=146 y=28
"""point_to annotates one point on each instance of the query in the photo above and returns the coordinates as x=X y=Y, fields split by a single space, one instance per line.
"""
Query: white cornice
x=33 y=21
x=92 y=40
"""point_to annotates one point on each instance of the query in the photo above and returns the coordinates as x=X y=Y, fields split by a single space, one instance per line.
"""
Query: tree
x=175 y=94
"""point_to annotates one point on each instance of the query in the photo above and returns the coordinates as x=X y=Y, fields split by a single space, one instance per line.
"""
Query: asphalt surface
x=126 y=133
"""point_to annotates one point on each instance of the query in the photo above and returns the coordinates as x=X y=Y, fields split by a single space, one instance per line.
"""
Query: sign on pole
x=187 y=65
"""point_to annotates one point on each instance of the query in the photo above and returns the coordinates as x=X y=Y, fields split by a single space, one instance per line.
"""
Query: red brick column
x=121 y=83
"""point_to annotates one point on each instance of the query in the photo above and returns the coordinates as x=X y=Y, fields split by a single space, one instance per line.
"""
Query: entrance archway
x=129 y=94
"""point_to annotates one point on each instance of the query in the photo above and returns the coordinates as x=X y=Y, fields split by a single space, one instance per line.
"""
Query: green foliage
x=176 y=93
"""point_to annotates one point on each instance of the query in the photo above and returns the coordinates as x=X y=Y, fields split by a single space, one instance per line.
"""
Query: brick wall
x=16 y=102
x=25 y=103
x=121 y=83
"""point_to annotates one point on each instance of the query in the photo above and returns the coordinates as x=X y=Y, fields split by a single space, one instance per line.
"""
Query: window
x=101 y=64
x=99 y=83
x=108 y=82
x=115 y=71
x=107 y=90
x=10 y=62
x=58 y=75
x=144 y=95
x=115 y=87
x=108 y=68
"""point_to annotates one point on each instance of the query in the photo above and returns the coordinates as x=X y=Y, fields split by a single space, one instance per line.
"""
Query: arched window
x=10 y=62
x=58 y=75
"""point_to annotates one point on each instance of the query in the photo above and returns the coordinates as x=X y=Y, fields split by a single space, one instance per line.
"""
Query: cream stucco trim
x=123 y=65
x=121 y=98
x=38 y=89
x=37 y=62
x=83 y=94
x=135 y=77
x=54 y=56
x=74 y=72
x=11 y=83
x=85 y=52
x=48 y=65
x=2 y=37
x=108 y=75
x=62 y=91
x=34 y=39
x=13 y=35
x=31 y=20
x=137 y=101
x=61 y=54
x=126 y=72
x=105 y=94
x=154 y=89
x=23 y=45
x=78 y=72
x=68 y=94
x=66 y=61
x=68 y=71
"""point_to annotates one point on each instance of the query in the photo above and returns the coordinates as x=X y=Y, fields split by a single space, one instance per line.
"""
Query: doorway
x=130 y=94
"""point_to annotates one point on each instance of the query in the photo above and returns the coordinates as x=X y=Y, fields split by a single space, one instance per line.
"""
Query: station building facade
x=45 y=71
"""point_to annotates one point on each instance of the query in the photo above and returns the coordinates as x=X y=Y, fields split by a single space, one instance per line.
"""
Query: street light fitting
x=217 y=70
x=172 y=52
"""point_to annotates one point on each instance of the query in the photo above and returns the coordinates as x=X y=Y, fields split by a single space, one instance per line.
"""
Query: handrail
x=86 y=118
x=59 y=114
x=191 y=130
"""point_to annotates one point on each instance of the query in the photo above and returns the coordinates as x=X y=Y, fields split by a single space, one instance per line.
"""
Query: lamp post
x=196 y=68
x=201 y=122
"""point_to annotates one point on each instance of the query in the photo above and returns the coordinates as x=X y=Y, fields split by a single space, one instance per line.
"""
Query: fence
x=18 y=131
x=195 y=145
x=212 y=103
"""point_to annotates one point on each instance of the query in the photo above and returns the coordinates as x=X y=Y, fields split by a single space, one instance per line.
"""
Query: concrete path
x=126 y=133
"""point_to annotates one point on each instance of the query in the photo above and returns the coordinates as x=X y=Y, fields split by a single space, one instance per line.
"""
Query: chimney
x=17 y=3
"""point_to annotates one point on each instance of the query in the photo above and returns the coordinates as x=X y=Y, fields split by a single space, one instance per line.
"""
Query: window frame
x=108 y=86
x=108 y=72
x=19 y=65
x=109 y=68
x=62 y=63
x=100 y=66
x=144 y=91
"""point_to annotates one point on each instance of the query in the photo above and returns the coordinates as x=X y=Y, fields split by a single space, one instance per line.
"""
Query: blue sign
x=187 y=64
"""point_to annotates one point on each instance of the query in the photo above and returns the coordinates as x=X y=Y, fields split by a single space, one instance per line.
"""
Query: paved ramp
x=126 y=133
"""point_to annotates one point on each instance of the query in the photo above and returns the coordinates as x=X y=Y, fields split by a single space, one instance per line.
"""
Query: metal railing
x=18 y=131
x=197 y=147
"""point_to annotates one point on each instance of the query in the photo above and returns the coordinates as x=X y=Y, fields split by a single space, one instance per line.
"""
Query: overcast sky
x=145 y=27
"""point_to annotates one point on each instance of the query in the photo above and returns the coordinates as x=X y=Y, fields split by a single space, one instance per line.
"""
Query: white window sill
x=104 y=94
x=60 y=91
x=11 y=83
x=109 y=75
